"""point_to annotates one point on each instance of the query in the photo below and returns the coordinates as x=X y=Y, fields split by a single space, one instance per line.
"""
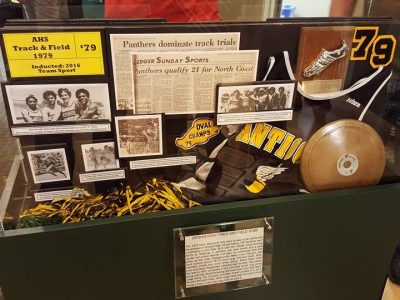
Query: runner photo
x=48 y=165
x=139 y=135
x=99 y=156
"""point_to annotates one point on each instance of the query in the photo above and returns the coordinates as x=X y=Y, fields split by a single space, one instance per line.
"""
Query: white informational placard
x=220 y=257
x=60 y=129
x=102 y=176
x=49 y=196
x=162 y=162
x=224 y=256
x=254 y=117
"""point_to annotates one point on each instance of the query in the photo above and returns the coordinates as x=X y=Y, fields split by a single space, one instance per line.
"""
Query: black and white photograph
x=48 y=165
x=99 y=156
x=250 y=98
x=58 y=102
x=139 y=135
x=258 y=102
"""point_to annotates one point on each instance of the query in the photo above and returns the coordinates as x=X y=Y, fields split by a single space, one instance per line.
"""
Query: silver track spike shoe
x=324 y=59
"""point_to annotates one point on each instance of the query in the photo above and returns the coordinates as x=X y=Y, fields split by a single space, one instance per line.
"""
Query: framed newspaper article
x=123 y=44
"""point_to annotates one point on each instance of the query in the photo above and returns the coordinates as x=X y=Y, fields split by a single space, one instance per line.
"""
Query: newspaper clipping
x=179 y=82
x=122 y=45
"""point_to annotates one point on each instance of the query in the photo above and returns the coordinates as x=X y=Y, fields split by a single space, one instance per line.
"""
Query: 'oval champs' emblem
x=201 y=131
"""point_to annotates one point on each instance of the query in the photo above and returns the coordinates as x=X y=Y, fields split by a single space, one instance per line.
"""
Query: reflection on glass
x=170 y=10
x=206 y=10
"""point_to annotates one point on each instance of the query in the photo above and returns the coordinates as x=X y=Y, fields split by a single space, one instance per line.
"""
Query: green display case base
x=333 y=245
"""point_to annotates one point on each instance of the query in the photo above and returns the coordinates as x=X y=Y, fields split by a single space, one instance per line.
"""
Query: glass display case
x=135 y=128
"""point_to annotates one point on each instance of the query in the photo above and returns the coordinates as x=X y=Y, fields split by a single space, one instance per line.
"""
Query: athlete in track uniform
x=52 y=110
x=105 y=157
x=51 y=166
x=68 y=107
x=234 y=102
x=225 y=101
x=261 y=99
x=86 y=108
x=273 y=99
x=32 y=113
x=247 y=104
x=281 y=97
x=93 y=158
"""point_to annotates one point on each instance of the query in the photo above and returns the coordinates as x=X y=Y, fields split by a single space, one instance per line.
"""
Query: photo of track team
x=139 y=135
x=255 y=98
x=99 y=156
x=48 y=165
x=58 y=102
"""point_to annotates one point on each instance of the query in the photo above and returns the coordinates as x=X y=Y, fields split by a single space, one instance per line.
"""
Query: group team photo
x=58 y=103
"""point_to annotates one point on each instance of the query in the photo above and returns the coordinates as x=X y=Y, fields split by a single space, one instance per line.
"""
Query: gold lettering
x=244 y=135
x=289 y=148
x=293 y=147
x=298 y=153
x=259 y=134
x=285 y=145
x=275 y=136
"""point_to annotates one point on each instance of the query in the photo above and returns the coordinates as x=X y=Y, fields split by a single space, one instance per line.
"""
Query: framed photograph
x=48 y=165
x=99 y=156
x=255 y=102
x=52 y=103
x=139 y=135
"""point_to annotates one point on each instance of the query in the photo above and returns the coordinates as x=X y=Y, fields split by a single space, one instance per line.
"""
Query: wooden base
x=312 y=41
